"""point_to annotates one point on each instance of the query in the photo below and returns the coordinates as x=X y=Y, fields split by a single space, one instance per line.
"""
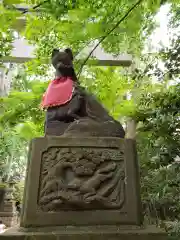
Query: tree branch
x=108 y=33
x=35 y=7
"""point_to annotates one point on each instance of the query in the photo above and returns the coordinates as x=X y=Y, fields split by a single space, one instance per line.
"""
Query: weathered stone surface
x=81 y=178
x=81 y=181
x=9 y=219
x=8 y=212
x=87 y=127
x=87 y=233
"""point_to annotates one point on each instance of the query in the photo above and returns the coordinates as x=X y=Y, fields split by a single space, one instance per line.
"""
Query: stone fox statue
x=70 y=109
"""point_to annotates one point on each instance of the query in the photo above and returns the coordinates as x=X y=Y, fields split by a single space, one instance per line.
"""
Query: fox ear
x=54 y=52
x=69 y=52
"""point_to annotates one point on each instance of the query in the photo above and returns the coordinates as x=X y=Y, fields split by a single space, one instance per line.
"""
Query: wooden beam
x=23 y=52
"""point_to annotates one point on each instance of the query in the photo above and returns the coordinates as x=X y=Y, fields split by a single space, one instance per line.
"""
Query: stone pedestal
x=81 y=181
x=86 y=233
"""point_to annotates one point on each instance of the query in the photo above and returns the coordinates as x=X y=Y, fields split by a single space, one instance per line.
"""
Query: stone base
x=81 y=181
x=87 y=233
x=8 y=214
x=9 y=219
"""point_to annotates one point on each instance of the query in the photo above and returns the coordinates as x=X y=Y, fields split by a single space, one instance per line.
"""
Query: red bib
x=59 y=92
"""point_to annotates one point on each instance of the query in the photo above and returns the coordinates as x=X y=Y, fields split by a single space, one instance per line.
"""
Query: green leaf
x=12 y=2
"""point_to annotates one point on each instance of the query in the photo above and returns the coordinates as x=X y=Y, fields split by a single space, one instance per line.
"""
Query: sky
x=161 y=33
x=161 y=37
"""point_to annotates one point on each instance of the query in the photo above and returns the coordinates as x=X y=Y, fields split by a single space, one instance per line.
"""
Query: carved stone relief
x=81 y=179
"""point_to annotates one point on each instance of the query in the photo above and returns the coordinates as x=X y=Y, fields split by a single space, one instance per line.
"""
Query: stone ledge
x=8 y=214
x=86 y=233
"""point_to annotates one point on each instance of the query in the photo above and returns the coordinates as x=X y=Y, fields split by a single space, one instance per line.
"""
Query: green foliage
x=159 y=145
x=8 y=19
x=18 y=191
x=174 y=230
x=22 y=109
x=111 y=87
x=55 y=25
x=158 y=139
x=18 y=124
x=3 y=185
x=13 y=155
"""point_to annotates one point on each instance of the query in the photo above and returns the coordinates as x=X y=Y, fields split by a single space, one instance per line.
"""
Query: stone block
x=8 y=214
x=87 y=233
x=9 y=206
x=81 y=181
x=56 y=129
x=9 y=219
